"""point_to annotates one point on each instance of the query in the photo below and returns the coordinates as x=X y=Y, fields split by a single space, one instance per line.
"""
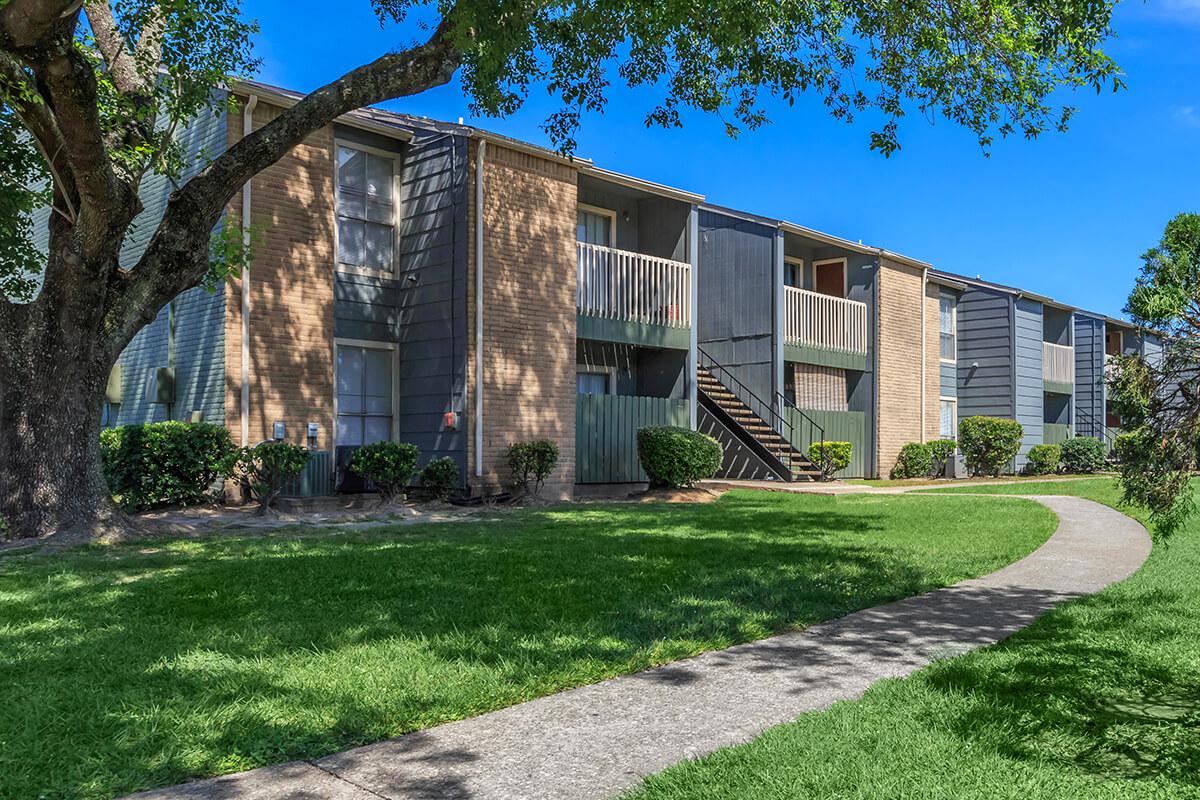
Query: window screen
x=948 y=421
x=949 y=346
x=365 y=210
x=364 y=394
x=593 y=228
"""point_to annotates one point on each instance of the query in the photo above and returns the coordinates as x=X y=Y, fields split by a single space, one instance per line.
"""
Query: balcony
x=632 y=287
x=824 y=322
x=1058 y=367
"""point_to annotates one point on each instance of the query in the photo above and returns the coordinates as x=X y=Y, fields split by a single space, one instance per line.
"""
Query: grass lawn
x=134 y=666
x=964 y=482
x=1098 y=699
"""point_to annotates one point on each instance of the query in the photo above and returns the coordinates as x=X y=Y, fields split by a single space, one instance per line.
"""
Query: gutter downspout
x=247 y=129
x=924 y=337
x=479 y=163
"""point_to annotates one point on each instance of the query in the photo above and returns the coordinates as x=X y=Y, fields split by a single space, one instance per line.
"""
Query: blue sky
x=1067 y=215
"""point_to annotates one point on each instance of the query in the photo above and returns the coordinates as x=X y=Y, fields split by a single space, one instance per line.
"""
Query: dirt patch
x=697 y=494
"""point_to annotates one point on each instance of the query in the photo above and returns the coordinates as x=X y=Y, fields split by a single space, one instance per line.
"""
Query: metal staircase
x=758 y=425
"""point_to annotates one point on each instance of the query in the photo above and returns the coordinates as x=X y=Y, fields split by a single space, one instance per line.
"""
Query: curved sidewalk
x=599 y=740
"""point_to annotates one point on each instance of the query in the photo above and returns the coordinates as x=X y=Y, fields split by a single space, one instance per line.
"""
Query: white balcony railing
x=1058 y=363
x=819 y=320
x=618 y=284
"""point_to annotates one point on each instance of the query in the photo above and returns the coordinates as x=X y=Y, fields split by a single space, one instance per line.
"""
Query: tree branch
x=177 y=256
x=25 y=24
x=114 y=48
x=35 y=115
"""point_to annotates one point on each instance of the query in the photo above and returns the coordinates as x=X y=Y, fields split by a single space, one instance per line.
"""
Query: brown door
x=1112 y=343
x=831 y=279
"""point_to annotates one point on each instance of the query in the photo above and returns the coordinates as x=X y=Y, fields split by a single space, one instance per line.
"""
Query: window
x=366 y=211
x=948 y=426
x=590 y=382
x=798 y=274
x=948 y=319
x=595 y=225
x=364 y=395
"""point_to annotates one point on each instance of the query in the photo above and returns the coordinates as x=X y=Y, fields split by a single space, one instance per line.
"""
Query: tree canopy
x=1158 y=398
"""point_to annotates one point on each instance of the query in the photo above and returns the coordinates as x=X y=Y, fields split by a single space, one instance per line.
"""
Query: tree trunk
x=53 y=370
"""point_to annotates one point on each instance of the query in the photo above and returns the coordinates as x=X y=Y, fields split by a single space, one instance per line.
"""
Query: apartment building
x=433 y=283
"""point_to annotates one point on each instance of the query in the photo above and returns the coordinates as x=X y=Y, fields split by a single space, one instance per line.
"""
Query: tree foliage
x=1158 y=398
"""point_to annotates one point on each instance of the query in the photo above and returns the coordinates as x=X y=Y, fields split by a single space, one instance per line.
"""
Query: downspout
x=247 y=129
x=924 y=337
x=479 y=162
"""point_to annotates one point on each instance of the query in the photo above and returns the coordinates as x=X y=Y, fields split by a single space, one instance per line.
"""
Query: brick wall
x=529 y=313
x=899 y=377
x=291 y=294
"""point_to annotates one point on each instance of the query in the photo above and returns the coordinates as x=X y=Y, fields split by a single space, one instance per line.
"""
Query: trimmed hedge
x=263 y=470
x=941 y=451
x=440 y=478
x=989 y=444
x=531 y=463
x=914 y=461
x=677 y=457
x=1043 y=459
x=1082 y=455
x=389 y=465
x=830 y=457
x=163 y=463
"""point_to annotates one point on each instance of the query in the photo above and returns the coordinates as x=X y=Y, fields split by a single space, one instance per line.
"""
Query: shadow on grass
x=146 y=668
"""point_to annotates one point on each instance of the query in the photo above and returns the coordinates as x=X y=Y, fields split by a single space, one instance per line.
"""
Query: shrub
x=915 y=461
x=1043 y=459
x=163 y=463
x=941 y=451
x=989 y=443
x=830 y=457
x=677 y=457
x=389 y=465
x=531 y=463
x=263 y=470
x=440 y=477
x=1082 y=454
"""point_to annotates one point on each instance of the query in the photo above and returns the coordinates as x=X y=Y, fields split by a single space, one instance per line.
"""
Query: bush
x=531 y=463
x=1043 y=459
x=163 y=463
x=915 y=461
x=830 y=457
x=677 y=457
x=989 y=444
x=263 y=470
x=440 y=477
x=941 y=451
x=1082 y=454
x=389 y=465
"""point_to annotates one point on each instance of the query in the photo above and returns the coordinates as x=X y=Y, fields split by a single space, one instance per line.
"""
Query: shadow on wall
x=529 y=311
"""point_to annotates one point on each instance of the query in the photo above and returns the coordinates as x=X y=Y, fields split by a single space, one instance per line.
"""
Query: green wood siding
x=1058 y=388
x=1055 y=433
x=824 y=358
x=606 y=429
x=840 y=426
x=635 y=333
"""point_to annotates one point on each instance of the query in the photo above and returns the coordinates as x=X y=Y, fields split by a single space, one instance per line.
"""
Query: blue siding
x=985 y=354
x=199 y=329
x=1027 y=336
x=1089 y=375
x=425 y=311
x=735 y=314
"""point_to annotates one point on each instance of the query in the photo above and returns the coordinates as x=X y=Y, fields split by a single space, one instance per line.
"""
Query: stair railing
x=816 y=432
x=764 y=410
x=1092 y=423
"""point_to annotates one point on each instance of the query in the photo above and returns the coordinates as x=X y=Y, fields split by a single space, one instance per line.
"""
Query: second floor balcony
x=825 y=322
x=1058 y=365
x=633 y=287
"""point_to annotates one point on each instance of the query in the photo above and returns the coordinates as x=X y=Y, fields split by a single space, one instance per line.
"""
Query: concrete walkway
x=596 y=741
